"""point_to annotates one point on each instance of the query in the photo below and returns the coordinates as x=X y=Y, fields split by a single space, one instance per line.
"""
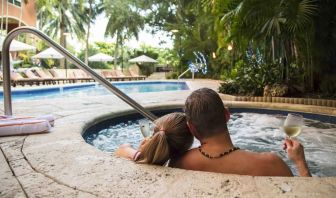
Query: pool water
x=85 y=90
x=250 y=131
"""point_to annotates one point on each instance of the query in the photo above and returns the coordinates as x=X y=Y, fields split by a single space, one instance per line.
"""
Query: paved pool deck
x=61 y=164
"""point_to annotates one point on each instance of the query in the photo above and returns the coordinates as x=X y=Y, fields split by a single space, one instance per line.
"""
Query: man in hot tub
x=206 y=119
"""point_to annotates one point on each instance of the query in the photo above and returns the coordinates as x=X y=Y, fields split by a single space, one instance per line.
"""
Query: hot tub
x=251 y=129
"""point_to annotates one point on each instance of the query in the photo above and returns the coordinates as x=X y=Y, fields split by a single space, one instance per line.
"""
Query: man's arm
x=295 y=153
x=276 y=166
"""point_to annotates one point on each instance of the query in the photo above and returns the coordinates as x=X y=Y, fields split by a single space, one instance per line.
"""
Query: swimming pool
x=94 y=89
x=261 y=132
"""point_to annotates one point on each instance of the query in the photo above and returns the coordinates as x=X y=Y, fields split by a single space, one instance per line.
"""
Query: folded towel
x=25 y=125
x=49 y=118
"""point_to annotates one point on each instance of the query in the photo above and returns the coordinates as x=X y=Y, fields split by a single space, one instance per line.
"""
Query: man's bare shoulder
x=186 y=161
x=268 y=164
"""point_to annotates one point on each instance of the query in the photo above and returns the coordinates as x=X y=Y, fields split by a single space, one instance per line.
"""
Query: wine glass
x=146 y=127
x=293 y=125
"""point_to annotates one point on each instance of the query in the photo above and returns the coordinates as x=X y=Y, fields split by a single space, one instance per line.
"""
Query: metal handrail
x=183 y=73
x=6 y=71
x=192 y=74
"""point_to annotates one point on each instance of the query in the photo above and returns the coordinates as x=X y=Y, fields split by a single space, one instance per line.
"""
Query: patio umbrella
x=142 y=59
x=49 y=53
x=17 y=45
x=14 y=47
x=100 y=57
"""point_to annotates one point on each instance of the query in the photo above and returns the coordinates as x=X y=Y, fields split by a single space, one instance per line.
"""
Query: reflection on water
x=250 y=131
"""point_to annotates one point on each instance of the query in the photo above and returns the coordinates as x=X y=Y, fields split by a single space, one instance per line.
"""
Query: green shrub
x=229 y=88
x=172 y=75
x=328 y=86
x=250 y=77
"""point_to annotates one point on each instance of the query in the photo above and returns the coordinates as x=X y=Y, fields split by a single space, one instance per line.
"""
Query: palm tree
x=280 y=28
x=59 y=17
x=124 y=23
x=91 y=10
x=88 y=33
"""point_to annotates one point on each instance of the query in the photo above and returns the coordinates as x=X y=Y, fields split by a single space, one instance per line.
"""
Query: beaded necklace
x=218 y=156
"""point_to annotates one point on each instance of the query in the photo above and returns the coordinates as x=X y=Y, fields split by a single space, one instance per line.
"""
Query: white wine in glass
x=293 y=124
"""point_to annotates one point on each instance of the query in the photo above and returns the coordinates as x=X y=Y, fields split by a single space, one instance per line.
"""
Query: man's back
x=238 y=162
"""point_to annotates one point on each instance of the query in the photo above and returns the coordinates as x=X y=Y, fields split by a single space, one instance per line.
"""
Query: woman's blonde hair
x=170 y=139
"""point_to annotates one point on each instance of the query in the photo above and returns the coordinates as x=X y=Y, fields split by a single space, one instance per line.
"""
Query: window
x=15 y=2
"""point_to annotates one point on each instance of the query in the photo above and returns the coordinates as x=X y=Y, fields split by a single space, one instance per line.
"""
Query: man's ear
x=193 y=130
x=227 y=115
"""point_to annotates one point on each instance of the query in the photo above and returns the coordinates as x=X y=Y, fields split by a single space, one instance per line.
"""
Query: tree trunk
x=116 y=50
x=88 y=35
x=273 y=53
x=122 y=53
x=62 y=38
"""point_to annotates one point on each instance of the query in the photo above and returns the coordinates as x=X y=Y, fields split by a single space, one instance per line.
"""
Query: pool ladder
x=6 y=71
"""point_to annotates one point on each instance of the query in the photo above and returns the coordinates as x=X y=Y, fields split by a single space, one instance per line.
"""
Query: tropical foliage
x=283 y=42
x=124 y=22
x=295 y=39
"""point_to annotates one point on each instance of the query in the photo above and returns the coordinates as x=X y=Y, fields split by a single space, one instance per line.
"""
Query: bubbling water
x=249 y=131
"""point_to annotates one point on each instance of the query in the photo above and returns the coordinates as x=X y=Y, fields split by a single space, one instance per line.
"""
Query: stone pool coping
x=61 y=164
x=288 y=100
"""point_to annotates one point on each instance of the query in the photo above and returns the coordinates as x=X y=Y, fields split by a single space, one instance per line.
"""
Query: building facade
x=15 y=13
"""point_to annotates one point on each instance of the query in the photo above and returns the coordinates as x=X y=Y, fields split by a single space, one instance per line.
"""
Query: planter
x=268 y=99
x=304 y=101
x=296 y=101
x=291 y=100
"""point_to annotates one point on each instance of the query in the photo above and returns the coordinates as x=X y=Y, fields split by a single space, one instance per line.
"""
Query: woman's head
x=170 y=139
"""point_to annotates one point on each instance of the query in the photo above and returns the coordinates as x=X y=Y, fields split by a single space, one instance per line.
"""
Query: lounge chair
x=110 y=75
x=45 y=75
x=18 y=79
x=122 y=76
x=81 y=75
x=134 y=71
x=136 y=74
x=63 y=75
